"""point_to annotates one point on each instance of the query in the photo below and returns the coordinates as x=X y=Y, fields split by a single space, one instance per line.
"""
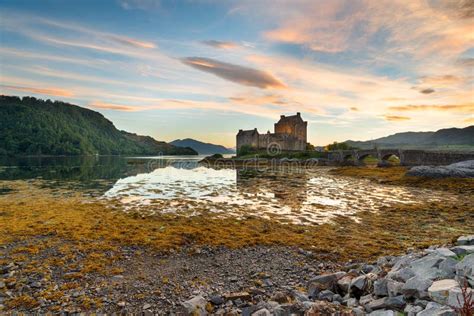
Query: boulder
x=344 y=283
x=300 y=297
x=416 y=287
x=196 y=306
x=359 y=285
x=439 y=290
x=412 y=310
x=427 y=266
x=237 y=295
x=445 y=252
x=466 y=240
x=455 y=297
x=380 y=287
x=394 y=288
x=401 y=275
x=262 y=312
x=463 y=250
x=435 y=309
x=357 y=311
x=464 y=169
x=396 y=302
x=465 y=269
x=323 y=282
x=280 y=297
x=447 y=268
x=350 y=302
x=383 y=313
x=376 y=304
x=337 y=298
x=366 y=299
x=326 y=295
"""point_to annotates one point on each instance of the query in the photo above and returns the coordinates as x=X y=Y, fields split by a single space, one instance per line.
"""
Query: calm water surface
x=181 y=185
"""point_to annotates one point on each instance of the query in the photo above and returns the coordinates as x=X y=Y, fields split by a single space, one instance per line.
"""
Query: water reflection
x=181 y=185
x=300 y=196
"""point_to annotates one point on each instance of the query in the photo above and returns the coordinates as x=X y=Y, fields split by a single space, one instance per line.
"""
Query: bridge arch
x=367 y=159
x=389 y=158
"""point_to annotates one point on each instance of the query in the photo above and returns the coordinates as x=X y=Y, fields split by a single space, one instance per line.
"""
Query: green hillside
x=30 y=126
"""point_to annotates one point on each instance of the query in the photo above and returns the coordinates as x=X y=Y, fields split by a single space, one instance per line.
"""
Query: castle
x=289 y=135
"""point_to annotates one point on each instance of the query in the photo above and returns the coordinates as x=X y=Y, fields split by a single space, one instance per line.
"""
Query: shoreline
x=68 y=253
x=223 y=281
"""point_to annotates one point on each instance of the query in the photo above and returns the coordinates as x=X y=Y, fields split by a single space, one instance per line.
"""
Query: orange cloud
x=393 y=99
x=132 y=42
x=46 y=91
x=354 y=108
x=392 y=118
x=235 y=73
x=115 y=107
x=422 y=107
x=259 y=99
x=469 y=120
x=220 y=44
x=441 y=80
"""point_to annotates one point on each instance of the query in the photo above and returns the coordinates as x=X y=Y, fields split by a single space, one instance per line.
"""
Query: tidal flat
x=151 y=236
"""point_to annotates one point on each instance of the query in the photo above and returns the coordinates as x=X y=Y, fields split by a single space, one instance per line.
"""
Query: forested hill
x=30 y=126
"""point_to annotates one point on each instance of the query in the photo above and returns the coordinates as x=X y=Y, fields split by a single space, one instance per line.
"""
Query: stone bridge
x=407 y=157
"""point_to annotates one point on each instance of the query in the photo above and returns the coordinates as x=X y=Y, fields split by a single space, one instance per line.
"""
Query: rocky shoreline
x=257 y=281
x=436 y=281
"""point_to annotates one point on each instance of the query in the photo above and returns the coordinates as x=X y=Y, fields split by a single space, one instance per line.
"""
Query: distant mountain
x=30 y=126
x=443 y=138
x=202 y=148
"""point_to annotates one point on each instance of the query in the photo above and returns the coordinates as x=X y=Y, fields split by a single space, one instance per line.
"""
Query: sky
x=355 y=69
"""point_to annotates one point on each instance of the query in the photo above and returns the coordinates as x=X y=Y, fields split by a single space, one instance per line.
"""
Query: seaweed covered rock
x=464 y=169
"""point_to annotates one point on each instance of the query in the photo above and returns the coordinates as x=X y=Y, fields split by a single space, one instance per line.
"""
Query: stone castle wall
x=290 y=135
x=296 y=129
x=283 y=142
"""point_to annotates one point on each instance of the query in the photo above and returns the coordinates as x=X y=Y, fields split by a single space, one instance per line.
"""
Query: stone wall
x=407 y=157
x=283 y=142
x=292 y=126
x=250 y=138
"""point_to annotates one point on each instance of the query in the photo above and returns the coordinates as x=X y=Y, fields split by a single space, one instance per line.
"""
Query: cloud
x=140 y=4
x=46 y=91
x=115 y=107
x=394 y=118
x=124 y=40
x=235 y=73
x=427 y=91
x=354 y=108
x=465 y=62
x=220 y=44
x=469 y=120
x=131 y=42
x=272 y=99
x=455 y=107
x=442 y=80
x=396 y=30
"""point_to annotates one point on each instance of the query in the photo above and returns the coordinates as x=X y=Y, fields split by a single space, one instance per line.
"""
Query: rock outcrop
x=464 y=169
